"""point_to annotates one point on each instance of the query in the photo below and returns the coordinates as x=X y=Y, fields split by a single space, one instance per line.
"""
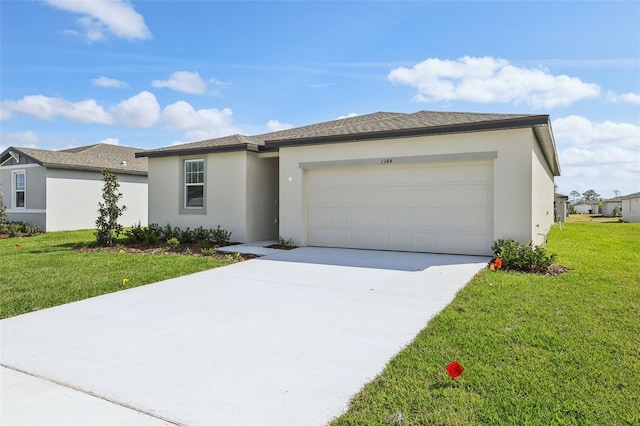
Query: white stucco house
x=438 y=182
x=586 y=208
x=612 y=206
x=60 y=190
x=631 y=207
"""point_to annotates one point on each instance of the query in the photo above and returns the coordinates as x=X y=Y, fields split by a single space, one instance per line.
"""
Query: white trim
x=26 y=210
x=186 y=185
x=14 y=190
x=19 y=166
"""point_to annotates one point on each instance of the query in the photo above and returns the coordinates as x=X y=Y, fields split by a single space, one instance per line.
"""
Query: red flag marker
x=454 y=369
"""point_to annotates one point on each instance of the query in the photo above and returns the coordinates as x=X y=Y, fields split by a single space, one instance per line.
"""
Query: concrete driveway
x=285 y=339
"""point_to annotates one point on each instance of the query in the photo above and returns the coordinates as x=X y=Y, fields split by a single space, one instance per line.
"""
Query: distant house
x=631 y=207
x=612 y=207
x=60 y=190
x=587 y=207
x=443 y=182
x=561 y=204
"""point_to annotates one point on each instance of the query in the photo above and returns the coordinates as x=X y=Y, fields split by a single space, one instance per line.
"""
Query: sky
x=150 y=74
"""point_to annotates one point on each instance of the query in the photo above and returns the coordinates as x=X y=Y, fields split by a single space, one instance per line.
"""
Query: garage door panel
x=445 y=207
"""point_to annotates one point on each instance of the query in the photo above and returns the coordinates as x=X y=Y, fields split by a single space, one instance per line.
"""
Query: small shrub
x=155 y=229
x=201 y=234
x=169 y=232
x=151 y=238
x=186 y=236
x=173 y=242
x=208 y=251
x=35 y=229
x=202 y=244
x=137 y=233
x=522 y=257
x=285 y=243
x=188 y=251
x=220 y=236
x=14 y=229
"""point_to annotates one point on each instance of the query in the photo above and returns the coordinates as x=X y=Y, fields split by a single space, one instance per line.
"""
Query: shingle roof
x=375 y=126
x=118 y=159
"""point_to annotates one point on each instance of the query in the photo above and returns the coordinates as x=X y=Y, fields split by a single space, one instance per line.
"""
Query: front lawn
x=536 y=350
x=44 y=271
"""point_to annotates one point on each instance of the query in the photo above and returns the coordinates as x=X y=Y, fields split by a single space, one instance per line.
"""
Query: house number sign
x=386 y=161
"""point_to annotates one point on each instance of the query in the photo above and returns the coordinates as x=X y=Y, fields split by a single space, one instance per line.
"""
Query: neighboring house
x=631 y=207
x=561 y=206
x=60 y=190
x=428 y=182
x=612 y=207
x=586 y=208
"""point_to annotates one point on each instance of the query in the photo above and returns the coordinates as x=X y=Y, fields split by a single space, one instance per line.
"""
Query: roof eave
x=544 y=134
x=198 y=151
x=94 y=169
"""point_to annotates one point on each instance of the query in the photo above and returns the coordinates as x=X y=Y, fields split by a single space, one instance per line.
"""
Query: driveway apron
x=285 y=339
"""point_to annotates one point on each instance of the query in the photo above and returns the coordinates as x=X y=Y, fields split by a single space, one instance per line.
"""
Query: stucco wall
x=542 y=193
x=262 y=198
x=35 y=194
x=631 y=209
x=225 y=186
x=512 y=174
x=73 y=197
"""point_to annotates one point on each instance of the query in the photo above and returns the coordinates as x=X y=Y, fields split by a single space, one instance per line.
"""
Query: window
x=194 y=184
x=19 y=189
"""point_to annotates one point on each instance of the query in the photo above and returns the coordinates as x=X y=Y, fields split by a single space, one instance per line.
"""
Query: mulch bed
x=188 y=249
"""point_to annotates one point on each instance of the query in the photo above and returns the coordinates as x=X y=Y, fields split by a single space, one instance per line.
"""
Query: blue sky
x=153 y=73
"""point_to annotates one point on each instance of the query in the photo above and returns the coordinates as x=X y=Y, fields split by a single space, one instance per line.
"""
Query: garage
x=420 y=206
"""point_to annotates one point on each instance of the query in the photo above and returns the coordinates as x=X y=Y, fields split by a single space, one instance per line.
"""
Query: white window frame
x=187 y=185
x=14 y=189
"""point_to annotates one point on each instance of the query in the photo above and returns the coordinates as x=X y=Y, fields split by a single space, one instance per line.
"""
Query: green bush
x=169 y=232
x=186 y=236
x=137 y=233
x=151 y=238
x=208 y=251
x=522 y=257
x=220 y=236
x=34 y=229
x=173 y=242
x=201 y=234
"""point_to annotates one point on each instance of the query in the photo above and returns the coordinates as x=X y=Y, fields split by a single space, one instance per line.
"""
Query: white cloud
x=597 y=155
x=115 y=16
x=109 y=82
x=579 y=131
x=183 y=81
x=110 y=141
x=44 y=107
x=141 y=110
x=351 y=114
x=199 y=124
x=631 y=98
x=27 y=139
x=275 y=125
x=488 y=79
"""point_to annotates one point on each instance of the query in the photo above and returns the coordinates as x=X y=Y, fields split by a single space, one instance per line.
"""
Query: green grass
x=536 y=350
x=45 y=271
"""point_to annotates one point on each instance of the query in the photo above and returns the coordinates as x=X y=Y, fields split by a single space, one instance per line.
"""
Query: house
x=60 y=190
x=561 y=204
x=631 y=207
x=587 y=207
x=439 y=182
x=612 y=207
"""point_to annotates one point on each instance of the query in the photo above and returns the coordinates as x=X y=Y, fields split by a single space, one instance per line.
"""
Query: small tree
x=108 y=228
x=3 y=211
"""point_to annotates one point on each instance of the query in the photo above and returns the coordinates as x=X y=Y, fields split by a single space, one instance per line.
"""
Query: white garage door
x=427 y=207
